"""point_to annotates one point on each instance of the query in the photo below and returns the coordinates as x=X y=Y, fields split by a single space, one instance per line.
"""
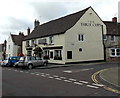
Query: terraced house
x=112 y=40
x=77 y=37
x=14 y=44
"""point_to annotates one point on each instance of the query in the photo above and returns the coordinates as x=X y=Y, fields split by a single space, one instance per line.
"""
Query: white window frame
x=58 y=53
x=104 y=37
x=33 y=42
x=113 y=38
x=81 y=37
x=51 y=41
x=115 y=49
x=27 y=43
x=8 y=46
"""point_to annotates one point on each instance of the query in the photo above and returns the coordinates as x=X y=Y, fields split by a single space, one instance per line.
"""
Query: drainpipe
x=103 y=43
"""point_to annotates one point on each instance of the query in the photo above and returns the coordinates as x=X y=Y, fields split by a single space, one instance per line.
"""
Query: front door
x=69 y=54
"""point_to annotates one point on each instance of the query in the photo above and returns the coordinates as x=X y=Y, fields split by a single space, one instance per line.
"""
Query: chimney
x=36 y=23
x=20 y=33
x=28 y=31
x=114 y=19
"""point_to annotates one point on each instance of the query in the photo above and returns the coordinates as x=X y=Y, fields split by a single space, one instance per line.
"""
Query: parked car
x=10 y=61
x=31 y=62
x=4 y=63
x=13 y=60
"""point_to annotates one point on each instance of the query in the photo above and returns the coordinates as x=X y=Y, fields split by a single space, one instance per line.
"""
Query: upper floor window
x=51 y=40
x=9 y=47
x=104 y=37
x=42 y=41
x=112 y=38
x=33 y=42
x=27 y=43
x=81 y=37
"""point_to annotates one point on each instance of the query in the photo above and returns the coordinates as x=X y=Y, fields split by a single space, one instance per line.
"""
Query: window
x=80 y=49
x=112 y=38
x=27 y=44
x=9 y=47
x=42 y=41
x=104 y=37
x=58 y=55
x=33 y=42
x=29 y=53
x=115 y=52
x=46 y=54
x=51 y=40
x=81 y=37
x=51 y=54
x=69 y=54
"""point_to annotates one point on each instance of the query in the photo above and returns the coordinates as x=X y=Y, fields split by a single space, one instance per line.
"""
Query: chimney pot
x=114 y=19
x=36 y=23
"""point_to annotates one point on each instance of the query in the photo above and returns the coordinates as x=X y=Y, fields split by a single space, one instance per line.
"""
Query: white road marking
x=86 y=69
x=37 y=74
x=58 y=78
x=15 y=70
x=72 y=79
x=55 y=76
x=63 y=77
x=32 y=73
x=100 y=85
x=92 y=86
x=47 y=74
x=84 y=82
x=67 y=81
x=50 y=77
x=78 y=83
x=77 y=70
x=67 y=71
x=43 y=75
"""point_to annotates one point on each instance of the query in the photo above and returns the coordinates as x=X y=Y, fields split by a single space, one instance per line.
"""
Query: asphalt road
x=74 y=80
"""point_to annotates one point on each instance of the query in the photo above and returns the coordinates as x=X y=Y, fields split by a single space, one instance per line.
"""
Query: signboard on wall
x=90 y=23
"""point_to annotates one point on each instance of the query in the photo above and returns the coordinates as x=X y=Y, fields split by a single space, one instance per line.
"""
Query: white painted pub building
x=77 y=37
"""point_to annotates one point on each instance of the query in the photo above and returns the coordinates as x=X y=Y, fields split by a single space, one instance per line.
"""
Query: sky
x=17 y=15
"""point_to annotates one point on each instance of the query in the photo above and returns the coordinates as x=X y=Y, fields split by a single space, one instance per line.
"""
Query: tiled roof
x=57 y=26
x=17 y=39
x=112 y=28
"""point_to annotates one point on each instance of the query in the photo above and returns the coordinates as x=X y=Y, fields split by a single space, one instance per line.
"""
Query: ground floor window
x=51 y=54
x=69 y=54
x=57 y=55
x=46 y=54
x=115 y=52
x=29 y=53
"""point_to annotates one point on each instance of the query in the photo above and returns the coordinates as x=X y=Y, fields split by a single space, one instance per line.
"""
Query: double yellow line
x=105 y=87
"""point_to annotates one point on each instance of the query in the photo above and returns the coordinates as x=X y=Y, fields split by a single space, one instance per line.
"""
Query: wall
x=13 y=51
x=119 y=11
x=9 y=51
x=59 y=40
x=92 y=46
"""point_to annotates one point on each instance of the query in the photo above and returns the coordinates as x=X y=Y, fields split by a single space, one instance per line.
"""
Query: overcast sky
x=18 y=15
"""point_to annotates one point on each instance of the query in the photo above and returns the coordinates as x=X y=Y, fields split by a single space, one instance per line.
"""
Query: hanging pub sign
x=90 y=23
